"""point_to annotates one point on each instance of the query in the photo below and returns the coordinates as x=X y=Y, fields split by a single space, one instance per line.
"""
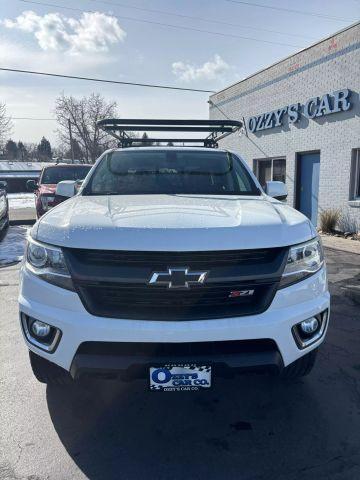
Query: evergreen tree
x=44 y=150
x=11 y=150
x=22 y=152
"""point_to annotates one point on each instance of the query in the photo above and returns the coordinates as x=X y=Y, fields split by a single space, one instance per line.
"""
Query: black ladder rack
x=121 y=128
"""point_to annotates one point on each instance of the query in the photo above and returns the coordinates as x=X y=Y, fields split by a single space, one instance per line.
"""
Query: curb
x=340 y=249
x=340 y=245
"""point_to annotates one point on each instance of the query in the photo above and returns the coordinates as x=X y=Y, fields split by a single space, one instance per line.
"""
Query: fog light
x=40 y=329
x=310 y=326
x=310 y=330
x=40 y=334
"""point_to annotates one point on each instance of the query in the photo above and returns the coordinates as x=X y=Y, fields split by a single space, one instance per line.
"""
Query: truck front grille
x=115 y=283
x=187 y=349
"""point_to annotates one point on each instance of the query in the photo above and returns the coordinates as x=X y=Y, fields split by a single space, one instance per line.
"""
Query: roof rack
x=121 y=130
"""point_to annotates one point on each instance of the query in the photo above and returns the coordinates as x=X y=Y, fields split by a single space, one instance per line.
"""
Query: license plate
x=180 y=377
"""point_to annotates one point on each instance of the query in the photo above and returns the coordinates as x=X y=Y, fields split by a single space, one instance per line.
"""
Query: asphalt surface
x=250 y=427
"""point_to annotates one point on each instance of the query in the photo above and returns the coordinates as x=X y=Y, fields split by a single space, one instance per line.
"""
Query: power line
x=201 y=19
x=290 y=10
x=103 y=80
x=32 y=118
x=162 y=24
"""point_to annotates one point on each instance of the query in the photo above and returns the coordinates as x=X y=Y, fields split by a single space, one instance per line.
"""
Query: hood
x=47 y=188
x=172 y=223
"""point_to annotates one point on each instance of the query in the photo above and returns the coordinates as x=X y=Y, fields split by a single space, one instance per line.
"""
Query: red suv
x=50 y=176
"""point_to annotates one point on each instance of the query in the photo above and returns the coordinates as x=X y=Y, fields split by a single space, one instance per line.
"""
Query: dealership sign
x=315 y=107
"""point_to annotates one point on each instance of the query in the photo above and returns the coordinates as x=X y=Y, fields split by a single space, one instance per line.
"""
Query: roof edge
x=287 y=57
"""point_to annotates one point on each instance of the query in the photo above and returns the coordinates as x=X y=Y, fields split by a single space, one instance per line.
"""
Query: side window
x=355 y=175
x=99 y=180
x=268 y=169
x=243 y=181
x=264 y=173
x=279 y=170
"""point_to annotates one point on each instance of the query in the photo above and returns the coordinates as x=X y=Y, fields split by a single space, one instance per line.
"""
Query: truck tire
x=48 y=372
x=300 y=367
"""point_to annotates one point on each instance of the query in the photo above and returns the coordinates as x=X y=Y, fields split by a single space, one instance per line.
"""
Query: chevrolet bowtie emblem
x=179 y=277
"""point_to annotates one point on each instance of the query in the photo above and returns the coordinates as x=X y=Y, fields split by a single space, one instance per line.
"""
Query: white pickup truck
x=172 y=264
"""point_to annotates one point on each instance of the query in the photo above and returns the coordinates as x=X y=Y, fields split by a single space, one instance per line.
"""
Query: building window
x=355 y=175
x=268 y=169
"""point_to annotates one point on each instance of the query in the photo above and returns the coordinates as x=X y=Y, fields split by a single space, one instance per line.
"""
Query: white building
x=302 y=125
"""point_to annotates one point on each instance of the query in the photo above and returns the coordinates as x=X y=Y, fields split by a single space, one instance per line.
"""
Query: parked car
x=4 y=209
x=50 y=176
x=173 y=264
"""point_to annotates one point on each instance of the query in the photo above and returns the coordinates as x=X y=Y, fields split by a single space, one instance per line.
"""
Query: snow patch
x=21 y=200
x=12 y=246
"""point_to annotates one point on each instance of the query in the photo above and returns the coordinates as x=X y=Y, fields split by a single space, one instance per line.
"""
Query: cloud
x=208 y=71
x=92 y=32
x=16 y=55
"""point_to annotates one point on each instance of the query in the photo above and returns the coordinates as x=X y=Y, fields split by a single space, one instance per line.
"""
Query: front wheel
x=48 y=372
x=301 y=367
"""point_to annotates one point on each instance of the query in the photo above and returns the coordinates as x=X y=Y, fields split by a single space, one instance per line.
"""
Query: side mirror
x=276 y=190
x=78 y=184
x=3 y=184
x=31 y=185
x=66 y=188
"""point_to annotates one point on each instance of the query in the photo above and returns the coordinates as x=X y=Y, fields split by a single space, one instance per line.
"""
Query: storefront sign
x=338 y=101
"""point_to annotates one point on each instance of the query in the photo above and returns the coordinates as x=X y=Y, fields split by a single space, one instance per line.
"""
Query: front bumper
x=64 y=310
x=134 y=359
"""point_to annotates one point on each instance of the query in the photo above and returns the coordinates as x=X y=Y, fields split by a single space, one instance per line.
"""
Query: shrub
x=328 y=220
x=348 y=224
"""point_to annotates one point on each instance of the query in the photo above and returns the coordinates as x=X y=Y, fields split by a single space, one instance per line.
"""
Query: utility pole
x=71 y=142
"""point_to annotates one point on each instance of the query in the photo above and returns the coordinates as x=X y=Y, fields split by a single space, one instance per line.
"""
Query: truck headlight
x=48 y=263
x=47 y=201
x=303 y=260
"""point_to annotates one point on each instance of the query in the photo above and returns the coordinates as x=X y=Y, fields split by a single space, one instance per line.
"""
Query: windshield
x=170 y=172
x=52 y=175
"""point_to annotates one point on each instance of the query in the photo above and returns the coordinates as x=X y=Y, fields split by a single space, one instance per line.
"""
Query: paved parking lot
x=248 y=428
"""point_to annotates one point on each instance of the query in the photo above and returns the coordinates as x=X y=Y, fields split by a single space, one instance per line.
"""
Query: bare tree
x=5 y=123
x=82 y=115
x=31 y=148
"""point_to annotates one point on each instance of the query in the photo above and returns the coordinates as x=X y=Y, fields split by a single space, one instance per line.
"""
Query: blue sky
x=106 y=44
